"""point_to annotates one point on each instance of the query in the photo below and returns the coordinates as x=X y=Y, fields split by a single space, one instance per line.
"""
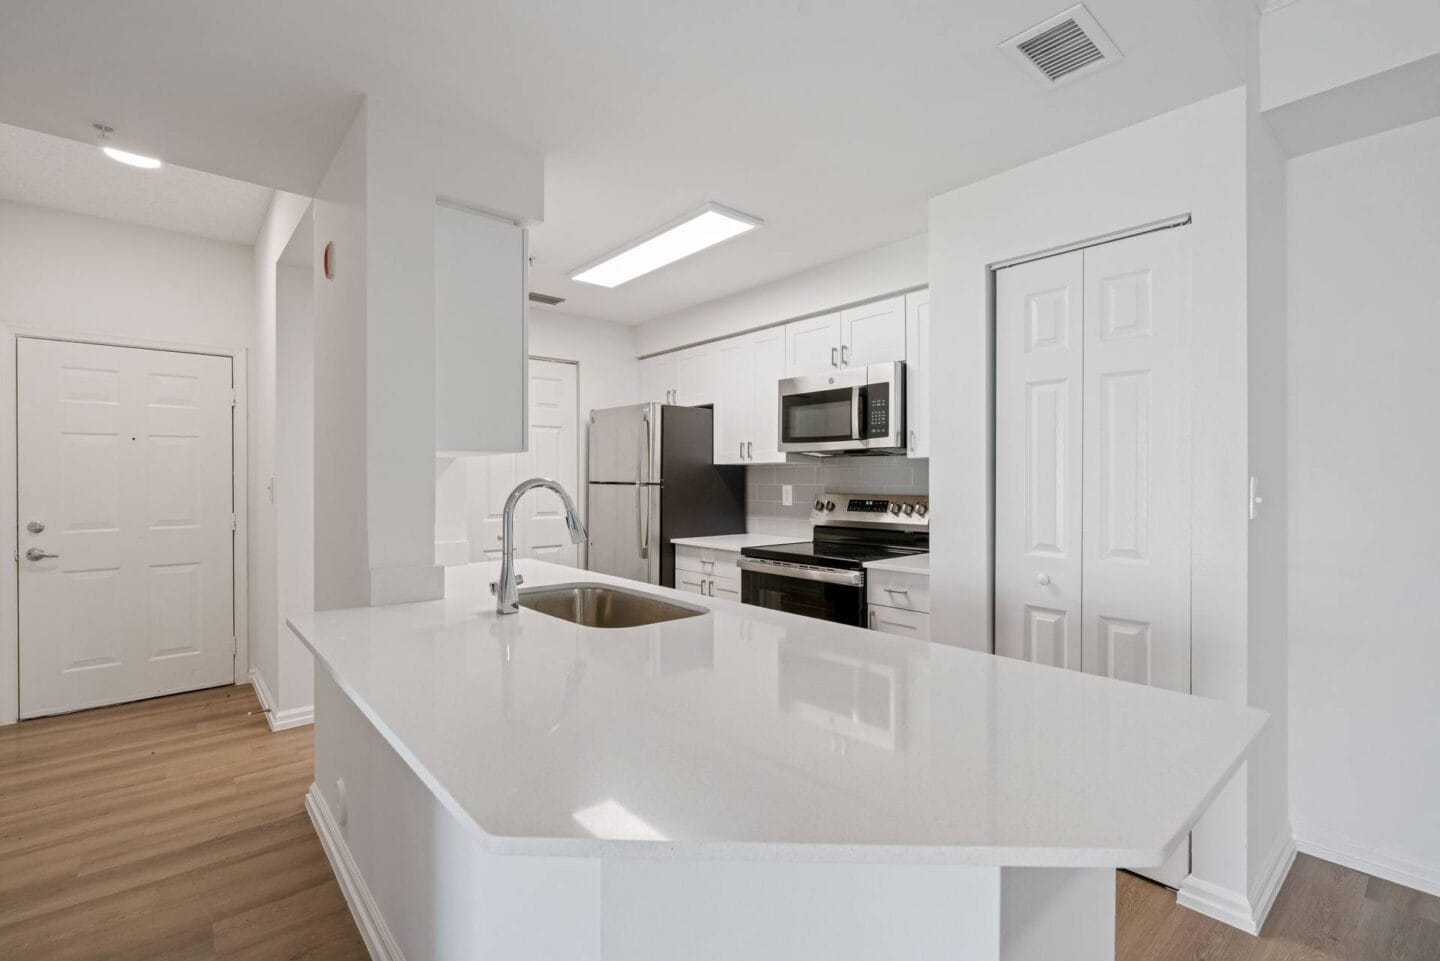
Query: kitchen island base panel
x=422 y=882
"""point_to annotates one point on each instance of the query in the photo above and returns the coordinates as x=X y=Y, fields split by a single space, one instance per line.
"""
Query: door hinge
x=234 y=397
x=234 y=523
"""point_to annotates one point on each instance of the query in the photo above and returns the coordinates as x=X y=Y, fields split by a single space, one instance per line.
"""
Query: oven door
x=823 y=412
x=821 y=592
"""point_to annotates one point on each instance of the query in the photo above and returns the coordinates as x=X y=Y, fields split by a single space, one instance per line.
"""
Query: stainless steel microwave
x=857 y=409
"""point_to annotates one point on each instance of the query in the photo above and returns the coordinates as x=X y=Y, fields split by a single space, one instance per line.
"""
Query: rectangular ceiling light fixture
x=692 y=233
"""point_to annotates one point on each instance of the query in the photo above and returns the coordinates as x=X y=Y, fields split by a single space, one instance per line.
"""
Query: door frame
x=9 y=493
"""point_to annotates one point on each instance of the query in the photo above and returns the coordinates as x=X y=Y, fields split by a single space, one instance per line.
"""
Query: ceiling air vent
x=1063 y=48
x=549 y=300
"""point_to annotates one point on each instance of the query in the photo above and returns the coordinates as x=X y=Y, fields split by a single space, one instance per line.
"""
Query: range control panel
x=907 y=510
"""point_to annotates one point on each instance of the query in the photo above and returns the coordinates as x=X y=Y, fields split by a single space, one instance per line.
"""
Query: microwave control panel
x=877 y=416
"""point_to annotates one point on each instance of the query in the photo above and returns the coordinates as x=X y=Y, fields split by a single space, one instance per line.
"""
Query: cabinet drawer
x=910 y=592
x=689 y=582
x=707 y=561
x=892 y=620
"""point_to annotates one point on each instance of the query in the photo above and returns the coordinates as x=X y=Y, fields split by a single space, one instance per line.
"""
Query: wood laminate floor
x=175 y=830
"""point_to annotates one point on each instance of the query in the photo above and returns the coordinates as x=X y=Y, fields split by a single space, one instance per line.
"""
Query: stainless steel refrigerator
x=653 y=478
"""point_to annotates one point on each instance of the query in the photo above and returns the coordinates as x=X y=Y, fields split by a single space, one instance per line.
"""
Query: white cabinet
x=898 y=602
x=659 y=379
x=769 y=371
x=917 y=374
x=704 y=570
x=812 y=344
x=872 y=333
x=747 y=401
x=697 y=376
x=480 y=354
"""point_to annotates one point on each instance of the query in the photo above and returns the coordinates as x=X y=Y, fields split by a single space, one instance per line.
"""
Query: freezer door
x=625 y=445
x=625 y=531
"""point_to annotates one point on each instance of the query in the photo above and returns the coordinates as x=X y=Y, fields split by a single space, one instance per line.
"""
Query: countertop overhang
x=745 y=733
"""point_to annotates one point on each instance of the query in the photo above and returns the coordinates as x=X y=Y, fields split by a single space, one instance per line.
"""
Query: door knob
x=35 y=527
x=36 y=554
x=1042 y=579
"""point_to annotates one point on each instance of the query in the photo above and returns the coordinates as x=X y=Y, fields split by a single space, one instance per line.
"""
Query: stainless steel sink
x=599 y=605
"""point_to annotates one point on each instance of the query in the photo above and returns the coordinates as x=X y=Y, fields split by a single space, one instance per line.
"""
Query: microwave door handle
x=857 y=409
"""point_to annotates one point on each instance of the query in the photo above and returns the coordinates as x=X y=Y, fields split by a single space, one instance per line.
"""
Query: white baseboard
x=373 y=930
x=1350 y=854
x=279 y=720
x=1244 y=912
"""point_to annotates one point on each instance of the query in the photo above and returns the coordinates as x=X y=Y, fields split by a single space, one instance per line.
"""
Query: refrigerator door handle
x=642 y=519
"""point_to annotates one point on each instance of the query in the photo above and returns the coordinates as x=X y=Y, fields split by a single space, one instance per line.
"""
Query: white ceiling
x=833 y=120
x=51 y=171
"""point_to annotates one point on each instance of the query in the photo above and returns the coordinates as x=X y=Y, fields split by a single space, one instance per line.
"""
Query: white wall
x=1192 y=160
x=265 y=640
x=294 y=492
x=1364 y=528
x=894 y=267
x=375 y=341
x=65 y=272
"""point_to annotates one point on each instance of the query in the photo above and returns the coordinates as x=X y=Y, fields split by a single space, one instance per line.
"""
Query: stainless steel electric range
x=825 y=577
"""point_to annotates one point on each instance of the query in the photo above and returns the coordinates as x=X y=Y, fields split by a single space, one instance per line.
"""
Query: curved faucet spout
x=507 y=589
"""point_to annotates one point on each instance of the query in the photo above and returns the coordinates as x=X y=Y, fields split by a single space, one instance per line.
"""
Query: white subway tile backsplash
x=890 y=474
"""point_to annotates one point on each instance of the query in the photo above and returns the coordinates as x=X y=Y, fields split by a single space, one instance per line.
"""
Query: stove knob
x=921 y=510
x=819 y=505
x=909 y=509
x=895 y=509
x=829 y=505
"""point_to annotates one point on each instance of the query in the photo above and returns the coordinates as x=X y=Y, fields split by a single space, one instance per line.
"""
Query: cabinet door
x=917 y=373
x=734 y=361
x=657 y=379
x=890 y=620
x=1039 y=333
x=812 y=345
x=769 y=366
x=697 y=379
x=873 y=333
x=480 y=355
x=726 y=588
x=690 y=583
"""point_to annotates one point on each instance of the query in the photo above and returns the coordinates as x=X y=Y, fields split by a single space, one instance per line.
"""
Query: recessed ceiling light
x=133 y=159
x=692 y=233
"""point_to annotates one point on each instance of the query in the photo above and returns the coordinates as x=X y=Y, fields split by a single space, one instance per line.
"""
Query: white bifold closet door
x=1092 y=464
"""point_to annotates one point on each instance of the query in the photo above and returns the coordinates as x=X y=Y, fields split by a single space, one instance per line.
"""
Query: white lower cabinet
x=893 y=620
x=704 y=570
x=898 y=603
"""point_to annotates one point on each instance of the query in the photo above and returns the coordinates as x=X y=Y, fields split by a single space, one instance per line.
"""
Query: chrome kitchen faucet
x=507 y=589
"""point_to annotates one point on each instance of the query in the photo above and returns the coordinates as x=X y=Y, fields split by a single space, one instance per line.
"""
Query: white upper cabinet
x=698 y=376
x=480 y=355
x=917 y=374
x=873 y=333
x=659 y=381
x=812 y=344
x=735 y=401
x=769 y=371
x=869 y=334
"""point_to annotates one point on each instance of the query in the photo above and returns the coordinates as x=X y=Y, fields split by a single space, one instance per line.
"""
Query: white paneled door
x=126 y=524
x=554 y=452
x=1092 y=464
x=1039 y=361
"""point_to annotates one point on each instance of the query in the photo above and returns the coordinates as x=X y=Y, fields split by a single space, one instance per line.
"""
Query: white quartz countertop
x=910 y=564
x=733 y=542
x=754 y=734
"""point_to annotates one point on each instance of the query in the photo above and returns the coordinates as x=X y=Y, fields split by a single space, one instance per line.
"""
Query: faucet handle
x=519 y=579
x=495 y=585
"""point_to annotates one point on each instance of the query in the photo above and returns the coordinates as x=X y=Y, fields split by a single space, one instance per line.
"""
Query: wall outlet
x=787 y=494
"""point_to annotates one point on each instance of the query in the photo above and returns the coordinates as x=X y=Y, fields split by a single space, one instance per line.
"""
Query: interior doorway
x=126 y=524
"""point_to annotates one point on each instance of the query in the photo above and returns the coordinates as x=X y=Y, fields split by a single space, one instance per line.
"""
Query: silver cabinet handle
x=897 y=590
x=872 y=620
x=36 y=554
x=913 y=445
x=833 y=361
x=844 y=354
x=742 y=450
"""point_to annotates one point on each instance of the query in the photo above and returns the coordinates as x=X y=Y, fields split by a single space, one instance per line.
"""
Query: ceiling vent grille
x=549 y=300
x=1064 y=48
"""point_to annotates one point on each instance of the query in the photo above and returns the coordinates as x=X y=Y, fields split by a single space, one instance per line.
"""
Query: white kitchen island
x=743 y=784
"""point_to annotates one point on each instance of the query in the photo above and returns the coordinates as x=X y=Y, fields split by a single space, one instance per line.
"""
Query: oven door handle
x=803 y=572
